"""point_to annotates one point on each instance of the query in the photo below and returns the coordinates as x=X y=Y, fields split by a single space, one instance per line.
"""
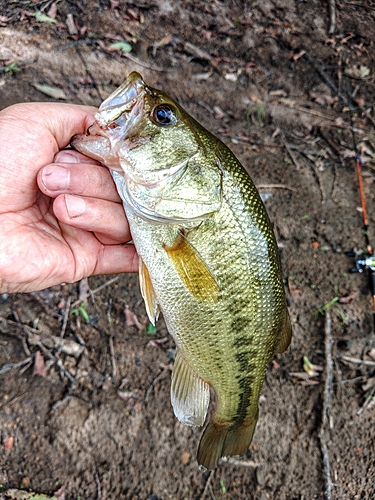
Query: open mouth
x=122 y=101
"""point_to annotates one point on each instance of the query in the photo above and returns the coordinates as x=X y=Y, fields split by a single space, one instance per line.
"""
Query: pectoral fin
x=190 y=395
x=148 y=293
x=192 y=269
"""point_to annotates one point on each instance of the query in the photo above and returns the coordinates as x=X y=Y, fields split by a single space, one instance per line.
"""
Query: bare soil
x=289 y=99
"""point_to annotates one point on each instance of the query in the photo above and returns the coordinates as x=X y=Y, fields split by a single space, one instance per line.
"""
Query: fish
x=208 y=258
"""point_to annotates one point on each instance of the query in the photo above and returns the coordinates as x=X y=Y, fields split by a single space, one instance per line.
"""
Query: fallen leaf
x=8 y=443
x=39 y=365
x=52 y=13
x=53 y=92
x=43 y=18
x=71 y=25
x=14 y=494
x=348 y=299
x=132 y=320
x=359 y=71
x=125 y=47
x=156 y=342
x=84 y=290
x=185 y=457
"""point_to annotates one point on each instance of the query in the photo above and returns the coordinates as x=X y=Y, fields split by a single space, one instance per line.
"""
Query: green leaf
x=223 y=488
x=83 y=311
x=124 y=46
x=43 y=18
x=11 y=68
x=151 y=329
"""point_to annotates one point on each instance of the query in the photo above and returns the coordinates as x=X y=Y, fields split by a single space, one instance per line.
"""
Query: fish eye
x=164 y=115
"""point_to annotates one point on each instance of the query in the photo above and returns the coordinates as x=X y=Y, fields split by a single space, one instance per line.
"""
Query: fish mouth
x=122 y=101
x=116 y=116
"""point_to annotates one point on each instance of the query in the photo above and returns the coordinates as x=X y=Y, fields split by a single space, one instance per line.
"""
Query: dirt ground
x=289 y=99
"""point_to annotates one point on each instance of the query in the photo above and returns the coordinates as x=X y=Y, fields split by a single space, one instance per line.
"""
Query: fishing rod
x=364 y=259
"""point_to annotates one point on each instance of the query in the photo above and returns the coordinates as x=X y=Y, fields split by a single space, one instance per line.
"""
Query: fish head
x=144 y=136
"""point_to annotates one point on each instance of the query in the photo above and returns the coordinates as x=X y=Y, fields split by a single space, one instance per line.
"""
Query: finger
x=91 y=214
x=61 y=120
x=84 y=179
x=115 y=259
x=71 y=156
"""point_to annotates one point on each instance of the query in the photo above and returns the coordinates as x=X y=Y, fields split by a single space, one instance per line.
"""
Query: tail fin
x=222 y=441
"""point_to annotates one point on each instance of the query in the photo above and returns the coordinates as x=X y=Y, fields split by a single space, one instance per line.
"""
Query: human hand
x=44 y=242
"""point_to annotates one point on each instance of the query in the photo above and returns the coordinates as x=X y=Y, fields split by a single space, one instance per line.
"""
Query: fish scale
x=208 y=258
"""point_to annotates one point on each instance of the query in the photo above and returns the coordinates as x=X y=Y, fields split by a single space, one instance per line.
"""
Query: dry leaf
x=185 y=457
x=84 y=290
x=71 y=25
x=53 y=92
x=52 y=13
x=132 y=320
x=348 y=299
x=39 y=365
x=8 y=443
x=360 y=72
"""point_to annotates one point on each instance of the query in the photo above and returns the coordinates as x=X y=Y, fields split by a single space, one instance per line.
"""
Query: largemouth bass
x=208 y=257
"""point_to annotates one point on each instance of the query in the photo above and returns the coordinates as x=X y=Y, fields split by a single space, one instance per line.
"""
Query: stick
x=207 y=486
x=107 y=283
x=239 y=463
x=332 y=16
x=356 y=361
x=12 y=366
x=66 y=316
x=324 y=429
x=278 y=186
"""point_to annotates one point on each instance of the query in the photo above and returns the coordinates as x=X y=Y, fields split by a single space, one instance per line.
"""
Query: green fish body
x=208 y=258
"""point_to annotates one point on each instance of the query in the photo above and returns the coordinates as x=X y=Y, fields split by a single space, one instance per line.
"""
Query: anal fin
x=191 y=269
x=190 y=395
x=148 y=293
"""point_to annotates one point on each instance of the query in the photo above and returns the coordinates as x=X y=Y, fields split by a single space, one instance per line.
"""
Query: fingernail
x=66 y=157
x=75 y=205
x=55 y=178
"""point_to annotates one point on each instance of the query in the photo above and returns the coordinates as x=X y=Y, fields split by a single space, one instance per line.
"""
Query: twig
x=89 y=74
x=59 y=365
x=66 y=316
x=239 y=463
x=11 y=366
x=110 y=340
x=319 y=68
x=144 y=64
x=156 y=379
x=332 y=17
x=368 y=401
x=98 y=487
x=107 y=283
x=277 y=186
x=324 y=429
x=36 y=337
x=356 y=361
x=207 y=487
x=291 y=154
x=113 y=359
